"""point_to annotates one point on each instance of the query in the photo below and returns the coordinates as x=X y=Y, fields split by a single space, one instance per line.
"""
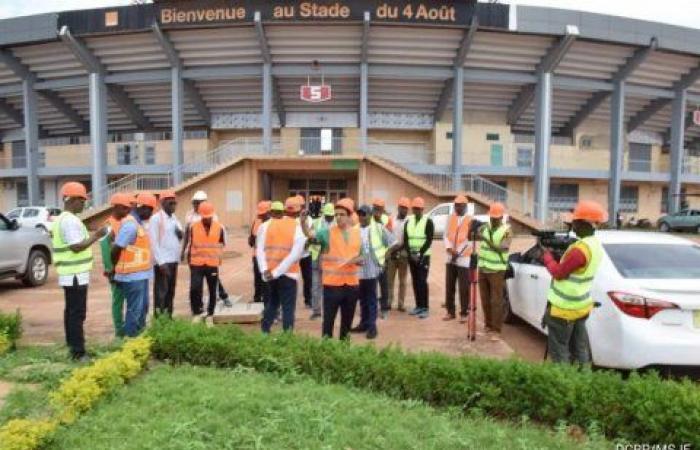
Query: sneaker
x=423 y=314
x=358 y=329
x=384 y=315
x=372 y=334
x=415 y=311
x=315 y=316
x=82 y=359
x=227 y=302
x=463 y=318
x=209 y=321
x=449 y=317
x=401 y=309
x=196 y=319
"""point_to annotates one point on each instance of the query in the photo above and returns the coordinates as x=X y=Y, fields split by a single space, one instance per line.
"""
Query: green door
x=497 y=155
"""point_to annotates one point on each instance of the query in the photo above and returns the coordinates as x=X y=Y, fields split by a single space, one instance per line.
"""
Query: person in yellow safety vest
x=379 y=216
x=317 y=225
x=263 y=214
x=133 y=263
x=276 y=210
x=121 y=206
x=459 y=250
x=495 y=237
x=377 y=241
x=569 y=297
x=280 y=244
x=341 y=258
x=72 y=257
x=206 y=252
x=418 y=237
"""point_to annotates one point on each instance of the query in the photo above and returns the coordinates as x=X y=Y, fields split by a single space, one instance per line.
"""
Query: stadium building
x=257 y=99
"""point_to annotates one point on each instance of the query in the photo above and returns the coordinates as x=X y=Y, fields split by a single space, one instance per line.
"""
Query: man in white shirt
x=278 y=253
x=459 y=250
x=166 y=234
x=398 y=261
x=73 y=261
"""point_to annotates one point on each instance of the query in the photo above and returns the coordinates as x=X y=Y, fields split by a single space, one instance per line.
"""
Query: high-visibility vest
x=207 y=248
x=339 y=251
x=490 y=259
x=67 y=261
x=279 y=240
x=254 y=231
x=137 y=256
x=416 y=233
x=458 y=233
x=114 y=225
x=387 y=221
x=376 y=241
x=318 y=225
x=574 y=292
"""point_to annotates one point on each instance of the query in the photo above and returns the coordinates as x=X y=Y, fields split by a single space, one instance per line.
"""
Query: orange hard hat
x=347 y=204
x=405 y=202
x=460 y=199
x=496 y=210
x=167 y=194
x=378 y=202
x=146 y=199
x=74 y=189
x=418 y=202
x=292 y=204
x=120 y=198
x=206 y=210
x=264 y=207
x=590 y=211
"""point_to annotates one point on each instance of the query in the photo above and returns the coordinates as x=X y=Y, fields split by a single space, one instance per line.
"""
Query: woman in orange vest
x=263 y=213
x=131 y=256
x=206 y=252
x=341 y=247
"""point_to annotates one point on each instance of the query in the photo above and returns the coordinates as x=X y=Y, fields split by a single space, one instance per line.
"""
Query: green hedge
x=638 y=409
x=11 y=327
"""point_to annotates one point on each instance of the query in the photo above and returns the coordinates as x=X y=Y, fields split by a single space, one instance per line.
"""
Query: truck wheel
x=37 y=269
x=664 y=228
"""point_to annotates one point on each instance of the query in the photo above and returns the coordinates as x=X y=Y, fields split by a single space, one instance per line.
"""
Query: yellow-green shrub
x=77 y=394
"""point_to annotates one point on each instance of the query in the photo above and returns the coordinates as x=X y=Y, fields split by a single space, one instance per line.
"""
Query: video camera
x=315 y=207
x=557 y=242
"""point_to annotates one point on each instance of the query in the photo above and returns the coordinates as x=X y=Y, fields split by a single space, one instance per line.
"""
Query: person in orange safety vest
x=263 y=214
x=459 y=250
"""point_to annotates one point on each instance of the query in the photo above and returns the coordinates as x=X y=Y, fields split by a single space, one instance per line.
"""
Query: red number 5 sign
x=315 y=93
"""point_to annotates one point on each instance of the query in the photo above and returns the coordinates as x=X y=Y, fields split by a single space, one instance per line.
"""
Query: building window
x=315 y=141
x=501 y=195
x=524 y=157
x=150 y=154
x=126 y=155
x=492 y=137
x=22 y=194
x=448 y=135
x=664 y=200
x=563 y=196
x=496 y=155
x=629 y=199
x=19 y=156
x=639 y=157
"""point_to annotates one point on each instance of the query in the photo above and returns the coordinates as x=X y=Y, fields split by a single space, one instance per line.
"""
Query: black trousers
x=197 y=276
x=305 y=264
x=419 y=277
x=383 y=281
x=74 y=317
x=455 y=274
x=259 y=284
x=164 y=288
x=343 y=298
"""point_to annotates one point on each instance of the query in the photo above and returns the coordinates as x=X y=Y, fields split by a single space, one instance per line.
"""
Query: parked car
x=34 y=216
x=684 y=220
x=26 y=253
x=441 y=213
x=648 y=289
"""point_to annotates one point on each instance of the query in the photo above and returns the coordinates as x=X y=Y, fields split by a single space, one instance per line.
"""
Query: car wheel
x=42 y=228
x=508 y=316
x=37 y=269
x=664 y=227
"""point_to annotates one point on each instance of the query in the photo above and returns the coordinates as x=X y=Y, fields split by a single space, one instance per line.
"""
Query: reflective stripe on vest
x=279 y=240
x=376 y=241
x=458 y=233
x=67 y=261
x=137 y=256
x=207 y=249
x=574 y=292
x=490 y=259
x=416 y=233
x=339 y=251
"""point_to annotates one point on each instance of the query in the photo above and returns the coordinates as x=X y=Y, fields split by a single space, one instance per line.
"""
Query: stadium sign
x=315 y=93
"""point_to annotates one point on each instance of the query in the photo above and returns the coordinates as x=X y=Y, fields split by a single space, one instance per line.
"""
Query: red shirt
x=574 y=260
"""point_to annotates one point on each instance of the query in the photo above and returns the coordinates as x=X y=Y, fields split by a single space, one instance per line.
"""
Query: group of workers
x=344 y=255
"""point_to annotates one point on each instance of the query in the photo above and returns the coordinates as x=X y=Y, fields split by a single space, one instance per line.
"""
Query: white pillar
x=617 y=148
x=177 y=105
x=543 y=135
x=98 y=135
x=31 y=139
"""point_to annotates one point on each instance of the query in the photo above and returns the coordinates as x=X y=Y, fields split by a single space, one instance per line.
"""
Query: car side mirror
x=14 y=225
x=515 y=257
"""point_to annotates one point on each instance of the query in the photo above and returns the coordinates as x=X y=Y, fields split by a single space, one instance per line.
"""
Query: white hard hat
x=199 y=195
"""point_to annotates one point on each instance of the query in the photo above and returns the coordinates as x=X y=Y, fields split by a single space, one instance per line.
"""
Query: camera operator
x=569 y=300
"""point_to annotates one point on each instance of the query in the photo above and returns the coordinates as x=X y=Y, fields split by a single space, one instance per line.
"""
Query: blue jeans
x=368 y=304
x=136 y=296
x=279 y=292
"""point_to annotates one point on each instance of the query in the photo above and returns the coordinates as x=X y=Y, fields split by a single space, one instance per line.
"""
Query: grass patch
x=194 y=408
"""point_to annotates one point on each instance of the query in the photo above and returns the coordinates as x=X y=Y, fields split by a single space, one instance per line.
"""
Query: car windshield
x=659 y=261
x=14 y=214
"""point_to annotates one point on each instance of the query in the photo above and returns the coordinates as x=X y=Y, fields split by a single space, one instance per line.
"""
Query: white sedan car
x=648 y=290
x=441 y=213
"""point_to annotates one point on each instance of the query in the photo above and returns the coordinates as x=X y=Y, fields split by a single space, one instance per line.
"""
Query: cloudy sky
x=677 y=12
